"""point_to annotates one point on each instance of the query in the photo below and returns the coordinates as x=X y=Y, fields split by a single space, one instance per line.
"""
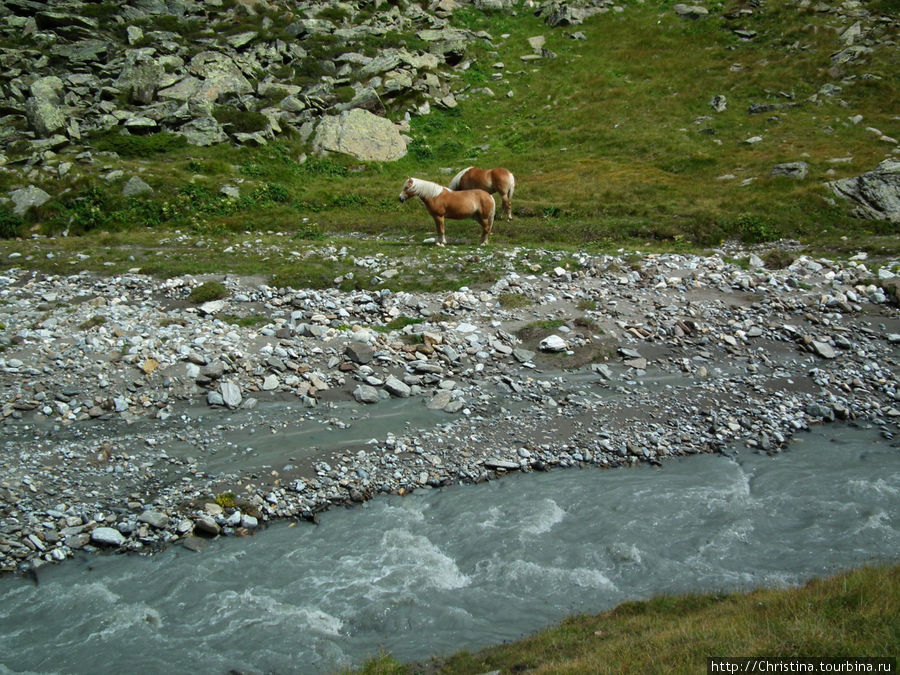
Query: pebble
x=684 y=354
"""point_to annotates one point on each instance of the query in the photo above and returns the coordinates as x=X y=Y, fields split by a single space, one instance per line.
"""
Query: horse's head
x=406 y=192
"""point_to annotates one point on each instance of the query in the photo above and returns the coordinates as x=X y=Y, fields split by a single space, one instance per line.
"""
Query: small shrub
x=270 y=193
x=778 y=259
x=210 y=290
x=11 y=225
x=126 y=145
x=514 y=300
x=225 y=499
x=308 y=231
x=552 y=212
x=241 y=121
x=754 y=229
x=322 y=166
x=345 y=94
x=243 y=321
x=399 y=323
x=93 y=322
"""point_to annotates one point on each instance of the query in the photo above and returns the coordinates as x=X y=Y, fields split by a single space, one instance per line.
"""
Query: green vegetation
x=847 y=615
x=225 y=499
x=127 y=145
x=244 y=321
x=613 y=142
x=210 y=290
x=514 y=300
x=399 y=323
x=93 y=322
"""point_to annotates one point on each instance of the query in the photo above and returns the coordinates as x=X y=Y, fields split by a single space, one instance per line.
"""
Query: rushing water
x=463 y=567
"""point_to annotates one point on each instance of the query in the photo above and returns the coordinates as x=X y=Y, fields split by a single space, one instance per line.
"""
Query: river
x=465 y=566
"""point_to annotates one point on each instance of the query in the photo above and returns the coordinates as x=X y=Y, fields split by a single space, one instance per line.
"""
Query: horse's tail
x=512 y=185
x=491 y=214
x=454 y=184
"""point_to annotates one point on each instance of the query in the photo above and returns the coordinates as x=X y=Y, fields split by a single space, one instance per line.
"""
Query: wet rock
x=231 y=394
x=359 y=352
x=206 y=525
x=365 y=393
x=155 y=519
x=107 y=536
x=397 y=388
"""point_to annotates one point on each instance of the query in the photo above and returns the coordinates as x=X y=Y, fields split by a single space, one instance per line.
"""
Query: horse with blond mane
x=443 y=203
x=490 y=180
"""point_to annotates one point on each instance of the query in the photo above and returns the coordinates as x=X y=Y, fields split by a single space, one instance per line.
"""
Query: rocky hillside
x=81 y=78
x=241 y=71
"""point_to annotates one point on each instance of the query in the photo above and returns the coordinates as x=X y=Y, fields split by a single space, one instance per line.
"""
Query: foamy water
x=463 y=567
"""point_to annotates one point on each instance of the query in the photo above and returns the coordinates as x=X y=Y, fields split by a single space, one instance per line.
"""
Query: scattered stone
x=107 y=536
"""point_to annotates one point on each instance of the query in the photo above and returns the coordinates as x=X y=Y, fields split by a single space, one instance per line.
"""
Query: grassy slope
x=851 y=614
x=613 y=143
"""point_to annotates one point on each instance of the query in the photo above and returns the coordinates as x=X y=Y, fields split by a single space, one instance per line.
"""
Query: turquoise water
x=463 y=567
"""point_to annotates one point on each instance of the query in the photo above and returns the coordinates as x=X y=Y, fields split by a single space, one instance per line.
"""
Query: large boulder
x=360 y=134
x=876 y=193
x=203 y=131
x=27 y=198
x=219 y=75
x=140 y=79
x=44 y=108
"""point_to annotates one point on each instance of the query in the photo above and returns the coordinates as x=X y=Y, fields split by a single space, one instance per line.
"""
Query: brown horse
x=442 y=203
x=491 y=180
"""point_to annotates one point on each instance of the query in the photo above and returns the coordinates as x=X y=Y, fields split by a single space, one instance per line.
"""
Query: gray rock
x=690 y=11
x=522 y=355
x=83 y=51
x=219 y=74
x=365 y=393
x=823 y=349
x=212 y=307
x=155 y=519
x=795 y=170
x=206 y=525
x=359 y=352
x=553 y=343
x=360 y=134
x=136 y=186
x=44 y=108
x=140 y=79
x=439 y=401
x=501 y=464
x=718 y=102
x=107 y=536
x=24 y=199
x=231 y=394
x=397 y=388
x=876 y=194
x=203 y=131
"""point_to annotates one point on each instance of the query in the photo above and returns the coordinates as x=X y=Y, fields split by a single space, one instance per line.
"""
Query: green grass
x=613 y=144
x=850 y=614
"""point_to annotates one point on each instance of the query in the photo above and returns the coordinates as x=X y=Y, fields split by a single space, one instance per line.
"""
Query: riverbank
x=136 y=419
x=847 y=615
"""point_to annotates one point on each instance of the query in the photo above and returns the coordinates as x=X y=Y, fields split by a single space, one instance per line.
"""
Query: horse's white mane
x=425 y=188
x=455 y=182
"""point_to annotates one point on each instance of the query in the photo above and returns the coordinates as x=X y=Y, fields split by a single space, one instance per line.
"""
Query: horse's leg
x=439 y=226
x=507 y=205
x=485 y=222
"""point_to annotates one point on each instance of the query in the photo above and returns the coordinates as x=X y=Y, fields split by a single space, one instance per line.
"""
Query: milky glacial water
x=465 y=566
